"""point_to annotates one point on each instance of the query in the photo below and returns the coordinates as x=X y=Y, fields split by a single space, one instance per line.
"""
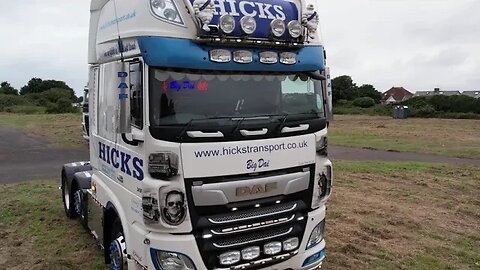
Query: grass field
x=381 y=216
x=446 y=137
x=64 y=130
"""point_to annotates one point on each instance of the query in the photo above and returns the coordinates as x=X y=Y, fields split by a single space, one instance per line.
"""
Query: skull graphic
x=174 y=210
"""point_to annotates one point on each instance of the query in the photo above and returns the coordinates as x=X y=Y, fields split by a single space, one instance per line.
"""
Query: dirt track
x=25 y=158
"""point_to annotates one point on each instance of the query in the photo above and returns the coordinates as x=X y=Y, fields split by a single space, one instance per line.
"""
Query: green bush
x=63 y=105
x=25 y=109
x=11 y=100
x=364 y=102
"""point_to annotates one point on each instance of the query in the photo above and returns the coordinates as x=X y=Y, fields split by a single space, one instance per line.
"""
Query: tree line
x=345 y=91
x=38 y=96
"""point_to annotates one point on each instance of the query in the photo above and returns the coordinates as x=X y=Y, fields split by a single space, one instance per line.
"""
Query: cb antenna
x=120 y=42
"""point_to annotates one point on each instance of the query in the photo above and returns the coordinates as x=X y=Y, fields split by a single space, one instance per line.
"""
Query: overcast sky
x=418 y=44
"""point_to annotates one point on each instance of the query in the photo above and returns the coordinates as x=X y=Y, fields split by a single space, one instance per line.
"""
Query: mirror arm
x=129 y=142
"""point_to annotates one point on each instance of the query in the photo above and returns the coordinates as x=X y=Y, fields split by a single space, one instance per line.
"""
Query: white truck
x=208 y=135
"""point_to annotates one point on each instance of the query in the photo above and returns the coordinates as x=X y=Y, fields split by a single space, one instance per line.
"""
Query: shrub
x=364 y=102
x=25 y=109
x=11 y=100
x=63 y=105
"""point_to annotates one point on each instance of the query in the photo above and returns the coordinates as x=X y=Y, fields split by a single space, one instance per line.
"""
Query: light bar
x=288 y=58
x=268 y=57
x=242 y=57
x=220 y=56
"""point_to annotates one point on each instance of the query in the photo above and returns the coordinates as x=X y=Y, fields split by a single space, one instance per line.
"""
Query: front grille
x=219 y=229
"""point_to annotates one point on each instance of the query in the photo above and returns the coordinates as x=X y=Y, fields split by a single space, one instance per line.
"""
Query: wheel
x=68 y=201
x=118 y=247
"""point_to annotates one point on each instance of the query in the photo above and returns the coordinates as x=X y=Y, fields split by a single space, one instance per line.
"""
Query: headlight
x=250 y=253
x=174 y=261
x=248 y=25
x=229 y=258
x=291 y=244
x=272 y=248
x=163 y=165
x=277 y=27
x=220 y=56
x=227 y=24
x=295 y=29
x=317 y=235
x=167 y=10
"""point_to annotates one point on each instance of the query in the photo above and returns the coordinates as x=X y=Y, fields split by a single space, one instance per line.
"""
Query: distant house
x=474 y=94
x=395 y=95
x=436 y=92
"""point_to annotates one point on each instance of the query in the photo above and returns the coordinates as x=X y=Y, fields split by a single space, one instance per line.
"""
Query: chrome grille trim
x=254 y=226
x=261 y=212
x=226 y=244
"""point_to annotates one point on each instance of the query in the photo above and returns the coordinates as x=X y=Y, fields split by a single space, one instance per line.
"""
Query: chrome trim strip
x=253 y=217
x=253 y=241
x=279 y=221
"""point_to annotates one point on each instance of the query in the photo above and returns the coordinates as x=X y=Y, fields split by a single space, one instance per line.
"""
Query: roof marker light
x=268 y=57
x=277 y=27
x=248 y=25
x=227 y=24
x=242 y=57
x=288 y=58
x=220 y=56
x=295 y=29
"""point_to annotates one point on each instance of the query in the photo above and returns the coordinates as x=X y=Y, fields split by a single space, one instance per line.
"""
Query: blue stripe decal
x=184 y=53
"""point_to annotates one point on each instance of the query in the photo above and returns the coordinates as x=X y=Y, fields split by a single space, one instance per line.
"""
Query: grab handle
x=247 y=133
x=201 y=134
x=295 y=129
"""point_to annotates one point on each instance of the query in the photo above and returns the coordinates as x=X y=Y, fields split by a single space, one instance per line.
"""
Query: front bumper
x=186 y=245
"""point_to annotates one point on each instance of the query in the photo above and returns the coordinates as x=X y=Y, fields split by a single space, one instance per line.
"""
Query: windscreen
x=179 y=97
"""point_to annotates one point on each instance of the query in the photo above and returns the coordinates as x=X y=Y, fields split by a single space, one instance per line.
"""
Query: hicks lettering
x=249 y=8
x=132 y=166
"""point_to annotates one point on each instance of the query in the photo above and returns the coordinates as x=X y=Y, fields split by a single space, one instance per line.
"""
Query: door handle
x=201 y=134
x=295 y=129
x=247 y=133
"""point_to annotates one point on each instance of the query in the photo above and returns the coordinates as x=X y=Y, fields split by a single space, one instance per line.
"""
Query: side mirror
x=123 y=88
x=328 y=94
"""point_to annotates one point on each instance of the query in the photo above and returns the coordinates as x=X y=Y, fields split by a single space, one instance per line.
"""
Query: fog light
x=227 y=24
x=174 y=261
x=290 y=244
x=288 y=58
x=220 y=56
x=248 y=25
x=229 y=258
x=315 y=258
x=295 y=29
x=250 y=253
x=268 y=57
x=277 y=27
x=272 y=248
x=242 y=57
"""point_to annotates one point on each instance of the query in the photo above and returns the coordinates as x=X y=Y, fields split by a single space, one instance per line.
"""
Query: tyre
x=67 y=197
x=118 y=247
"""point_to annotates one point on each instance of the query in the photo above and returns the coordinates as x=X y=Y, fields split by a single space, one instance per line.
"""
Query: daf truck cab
x=208 y=135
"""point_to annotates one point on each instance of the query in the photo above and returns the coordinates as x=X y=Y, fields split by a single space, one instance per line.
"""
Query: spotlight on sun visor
x=295 y=29
x=248 y=25
x=220 y=56
x=277 y=27
x=242 y=57
x=227 y=24
x=268 y=57
x=288 y=58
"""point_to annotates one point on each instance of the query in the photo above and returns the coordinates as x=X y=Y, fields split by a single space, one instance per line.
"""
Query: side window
x=136 y=94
